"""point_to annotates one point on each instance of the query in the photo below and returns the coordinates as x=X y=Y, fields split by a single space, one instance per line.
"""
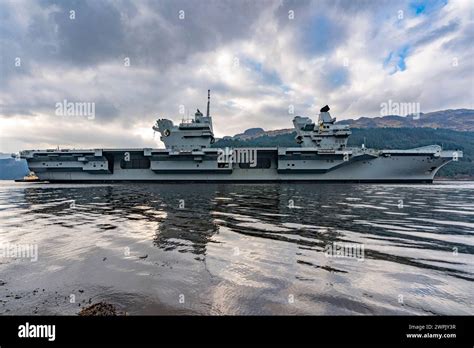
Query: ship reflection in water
x=239 y=248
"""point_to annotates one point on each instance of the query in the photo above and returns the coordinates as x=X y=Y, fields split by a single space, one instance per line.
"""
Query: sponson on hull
x=320 y=154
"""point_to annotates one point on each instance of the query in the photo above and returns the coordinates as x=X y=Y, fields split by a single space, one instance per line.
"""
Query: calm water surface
x=239 y=248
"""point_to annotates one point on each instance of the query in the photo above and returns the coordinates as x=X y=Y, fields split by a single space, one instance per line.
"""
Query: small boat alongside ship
x=31 y=177
x=320 y=154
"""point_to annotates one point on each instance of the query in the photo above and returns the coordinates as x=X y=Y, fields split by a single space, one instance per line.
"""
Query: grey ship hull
x=273 y=164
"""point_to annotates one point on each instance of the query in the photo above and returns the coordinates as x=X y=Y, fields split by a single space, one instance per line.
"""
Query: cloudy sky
x=143 y=60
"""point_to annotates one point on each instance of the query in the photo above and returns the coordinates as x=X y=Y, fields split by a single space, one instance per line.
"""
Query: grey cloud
x=462 y=42
x=96 y=33
x=105 y=110
x=13 y=110
x=168 y=39
x=352 y=6
x=82 y=135
x=102 y=31
x=150 y=33
x=438 y=33
x=299 y=8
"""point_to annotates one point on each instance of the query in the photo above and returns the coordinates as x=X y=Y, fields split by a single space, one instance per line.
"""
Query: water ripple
x=240 y=249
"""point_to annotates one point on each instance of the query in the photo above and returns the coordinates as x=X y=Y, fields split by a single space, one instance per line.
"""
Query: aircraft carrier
x=320 y=154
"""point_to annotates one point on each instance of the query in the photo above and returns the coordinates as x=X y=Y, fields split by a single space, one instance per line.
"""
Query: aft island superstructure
x=320 y=154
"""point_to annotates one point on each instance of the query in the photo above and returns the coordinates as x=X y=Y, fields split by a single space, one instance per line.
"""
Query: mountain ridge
x=454 y=119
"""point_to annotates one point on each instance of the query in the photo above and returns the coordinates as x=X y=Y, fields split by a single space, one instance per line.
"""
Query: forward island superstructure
x=321 y=153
